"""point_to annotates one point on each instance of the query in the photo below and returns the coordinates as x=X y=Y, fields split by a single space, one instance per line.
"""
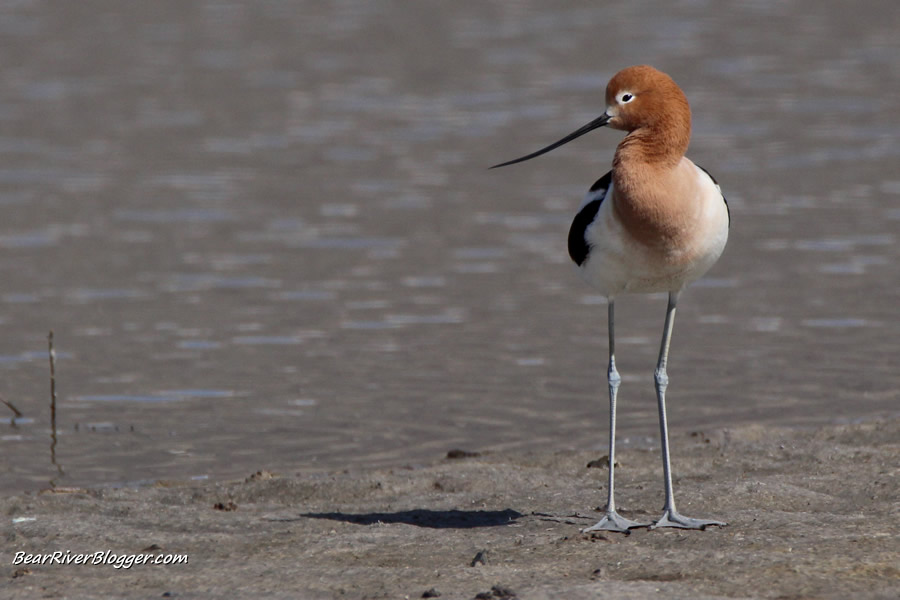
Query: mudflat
x=812 y=514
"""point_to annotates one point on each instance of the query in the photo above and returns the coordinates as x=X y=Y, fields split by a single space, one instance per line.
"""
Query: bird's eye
x=627 y=97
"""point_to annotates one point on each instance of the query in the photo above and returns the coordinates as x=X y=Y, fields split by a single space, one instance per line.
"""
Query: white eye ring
x=626 y=97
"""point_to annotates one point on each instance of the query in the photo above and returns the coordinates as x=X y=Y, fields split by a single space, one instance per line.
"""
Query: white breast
x=618 y=264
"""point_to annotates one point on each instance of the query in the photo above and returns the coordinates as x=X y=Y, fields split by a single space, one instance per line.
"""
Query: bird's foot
x=671 y=518
x=613 y=521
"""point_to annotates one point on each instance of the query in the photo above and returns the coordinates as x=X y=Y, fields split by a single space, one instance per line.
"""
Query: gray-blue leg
x=613 y=521
x=670 y=517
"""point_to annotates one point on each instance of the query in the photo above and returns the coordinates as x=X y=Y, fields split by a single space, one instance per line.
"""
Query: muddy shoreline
x=812 y=514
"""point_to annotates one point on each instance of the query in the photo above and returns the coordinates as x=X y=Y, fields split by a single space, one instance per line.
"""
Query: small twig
x=52 y=381
x=15 y=410
x=559 y=518
x=53 y=408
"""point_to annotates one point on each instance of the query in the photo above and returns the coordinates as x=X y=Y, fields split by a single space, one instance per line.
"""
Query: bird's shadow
x=434 y=519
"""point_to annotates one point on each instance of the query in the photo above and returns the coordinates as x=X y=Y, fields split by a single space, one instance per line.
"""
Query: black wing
x=578 y=245
x=725 y=200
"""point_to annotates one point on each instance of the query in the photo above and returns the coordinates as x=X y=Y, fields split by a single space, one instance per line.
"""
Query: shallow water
x=265 y=237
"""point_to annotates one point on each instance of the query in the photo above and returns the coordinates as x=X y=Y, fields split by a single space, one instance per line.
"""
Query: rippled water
x=265 y=237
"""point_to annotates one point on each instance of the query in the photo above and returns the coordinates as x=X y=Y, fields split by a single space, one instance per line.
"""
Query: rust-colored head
x=646 y=103
x=642 y=96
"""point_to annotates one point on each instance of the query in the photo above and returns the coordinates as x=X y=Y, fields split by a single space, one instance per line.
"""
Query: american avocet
x=654 y=223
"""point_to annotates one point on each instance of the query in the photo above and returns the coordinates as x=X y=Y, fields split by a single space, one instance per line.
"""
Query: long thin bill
x=598 y=122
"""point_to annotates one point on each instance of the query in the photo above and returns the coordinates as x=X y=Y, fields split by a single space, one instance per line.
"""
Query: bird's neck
x=653 y=197
x=661 y=145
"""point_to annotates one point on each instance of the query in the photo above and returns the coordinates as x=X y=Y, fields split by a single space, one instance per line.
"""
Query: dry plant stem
x=53 y=408
x=52 y=381
x=15 y=410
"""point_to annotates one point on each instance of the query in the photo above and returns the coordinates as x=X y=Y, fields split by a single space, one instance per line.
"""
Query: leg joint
x=661 y=377
x=613 y=375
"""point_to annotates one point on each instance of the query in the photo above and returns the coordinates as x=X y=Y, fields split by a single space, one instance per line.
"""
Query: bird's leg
x=670 y=517
x=613 y=521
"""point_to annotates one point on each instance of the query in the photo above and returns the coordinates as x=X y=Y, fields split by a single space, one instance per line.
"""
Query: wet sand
x=812 y=514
